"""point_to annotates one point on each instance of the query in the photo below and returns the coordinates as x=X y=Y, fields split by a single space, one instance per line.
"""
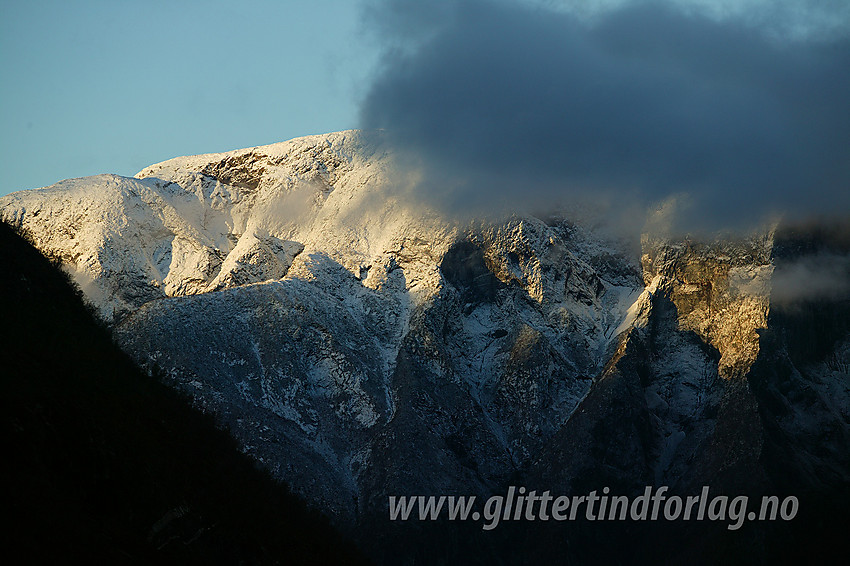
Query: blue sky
x=112 y=86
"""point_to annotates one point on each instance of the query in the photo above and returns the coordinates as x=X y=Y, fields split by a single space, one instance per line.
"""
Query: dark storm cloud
x=512 y=103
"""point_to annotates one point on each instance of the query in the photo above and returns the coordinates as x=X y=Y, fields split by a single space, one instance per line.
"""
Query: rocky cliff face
x=361 y=347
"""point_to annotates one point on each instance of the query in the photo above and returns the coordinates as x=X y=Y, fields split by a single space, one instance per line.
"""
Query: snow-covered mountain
x=359 y=346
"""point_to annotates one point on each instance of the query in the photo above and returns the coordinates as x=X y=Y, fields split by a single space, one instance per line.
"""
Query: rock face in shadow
x=465 y=268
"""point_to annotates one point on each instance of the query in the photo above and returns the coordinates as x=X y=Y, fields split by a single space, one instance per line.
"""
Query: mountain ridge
x=344 y=336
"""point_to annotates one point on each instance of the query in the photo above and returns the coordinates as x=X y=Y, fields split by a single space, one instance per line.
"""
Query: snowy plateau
x=359 y=347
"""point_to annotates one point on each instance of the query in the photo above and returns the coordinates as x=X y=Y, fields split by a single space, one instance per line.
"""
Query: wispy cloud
x=816 y=277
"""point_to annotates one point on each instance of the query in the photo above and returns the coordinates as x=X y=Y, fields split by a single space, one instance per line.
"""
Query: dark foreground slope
x=103 y=464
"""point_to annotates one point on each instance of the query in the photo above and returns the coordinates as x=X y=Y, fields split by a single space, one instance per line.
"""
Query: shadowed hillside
x=104 y=464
